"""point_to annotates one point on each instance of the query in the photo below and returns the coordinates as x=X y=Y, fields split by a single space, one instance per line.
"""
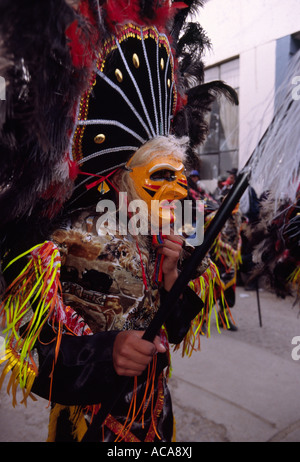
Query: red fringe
x=121 y=11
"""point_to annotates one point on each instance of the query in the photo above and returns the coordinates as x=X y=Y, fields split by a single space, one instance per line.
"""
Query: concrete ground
x=242 y=386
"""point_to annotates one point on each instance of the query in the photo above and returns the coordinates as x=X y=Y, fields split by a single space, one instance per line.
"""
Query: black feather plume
x=190 y=120
x=191 y=42
x=192 y=7
x=42 y=86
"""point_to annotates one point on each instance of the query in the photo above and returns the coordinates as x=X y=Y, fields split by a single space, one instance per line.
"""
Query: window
x=220 y=151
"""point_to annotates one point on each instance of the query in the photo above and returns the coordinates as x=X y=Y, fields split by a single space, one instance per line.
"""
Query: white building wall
x=249 y=29
x=257 y=86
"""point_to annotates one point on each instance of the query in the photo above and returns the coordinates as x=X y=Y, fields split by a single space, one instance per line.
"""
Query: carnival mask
x=160 y=179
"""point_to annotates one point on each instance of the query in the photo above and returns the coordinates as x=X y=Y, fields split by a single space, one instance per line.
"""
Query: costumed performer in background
x=275 y=241
x=226 y=253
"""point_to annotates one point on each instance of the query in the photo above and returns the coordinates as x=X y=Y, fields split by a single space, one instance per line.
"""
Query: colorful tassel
x=13 y=365
x=37 y=283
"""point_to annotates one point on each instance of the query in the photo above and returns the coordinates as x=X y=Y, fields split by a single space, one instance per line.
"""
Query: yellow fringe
x=209 y=289
x=32 y=285
x=76 y=417
x=227 y=254
x=294 y=279
x=174 y=431
x=232 y=258
x=17 y=369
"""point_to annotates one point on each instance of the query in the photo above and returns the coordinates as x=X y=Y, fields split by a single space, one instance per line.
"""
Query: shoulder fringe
x=38 y=284
x=208 y=287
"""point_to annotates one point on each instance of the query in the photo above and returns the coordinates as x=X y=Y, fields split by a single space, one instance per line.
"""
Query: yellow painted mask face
x=160 y=179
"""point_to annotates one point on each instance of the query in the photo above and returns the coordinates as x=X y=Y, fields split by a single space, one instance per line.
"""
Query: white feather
x=276 y=160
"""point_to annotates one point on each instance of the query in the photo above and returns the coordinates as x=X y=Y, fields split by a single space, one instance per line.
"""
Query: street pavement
x=242 y=386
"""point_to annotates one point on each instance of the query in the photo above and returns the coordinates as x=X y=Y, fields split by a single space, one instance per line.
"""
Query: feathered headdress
x=43 y=82
x=88 y=82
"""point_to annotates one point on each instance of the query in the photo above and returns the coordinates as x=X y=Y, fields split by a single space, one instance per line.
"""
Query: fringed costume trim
x=208 y=287
x=151 y=400
x=123 y=432
x=17 y=370
x=76 y=417
x=294 y=279
x=230 y=257
x=31 y=300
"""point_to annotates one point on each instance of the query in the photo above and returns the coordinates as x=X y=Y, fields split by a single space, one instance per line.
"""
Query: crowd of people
x=256 y=244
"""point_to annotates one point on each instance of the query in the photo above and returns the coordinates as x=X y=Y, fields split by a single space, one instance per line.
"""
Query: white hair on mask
x=176 y=147
x=161 y=144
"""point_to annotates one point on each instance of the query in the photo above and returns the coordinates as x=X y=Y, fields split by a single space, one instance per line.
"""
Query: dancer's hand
x=132 y=354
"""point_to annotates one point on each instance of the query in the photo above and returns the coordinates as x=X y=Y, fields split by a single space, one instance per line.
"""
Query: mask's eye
x=164 y=174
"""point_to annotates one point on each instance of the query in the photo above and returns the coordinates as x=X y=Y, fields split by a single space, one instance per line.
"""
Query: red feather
x=120 y=12
x=82 y=42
